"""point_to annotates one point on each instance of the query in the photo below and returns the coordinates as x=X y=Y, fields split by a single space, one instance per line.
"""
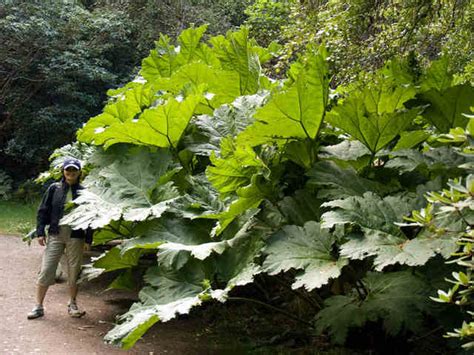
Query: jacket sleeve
x=44 y=211
x=88 y=237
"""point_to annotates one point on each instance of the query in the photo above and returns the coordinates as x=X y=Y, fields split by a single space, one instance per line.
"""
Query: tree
x=362 y=34
x=170 y=17
x=57 y=61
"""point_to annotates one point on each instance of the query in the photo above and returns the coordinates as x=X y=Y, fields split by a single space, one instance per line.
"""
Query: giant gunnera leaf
x=165 y=59
x=167 y=296
x=202 y=199
x=380 y=235
x=296 y=112
x=368 y=211
x=308 y=248
x=115 y=260
x=160 y=126
x=237 y=52
x=152 y=234
x=442 y=160
x=375 y=114
x=129 y=189
x=399 y=299
x=248 y=199
x=336 y=182
x=177 y=82
x=448 y=104
x=234 y=167
x=226 y=121
x=303 y=206
x=238 y=265
x=122 y=108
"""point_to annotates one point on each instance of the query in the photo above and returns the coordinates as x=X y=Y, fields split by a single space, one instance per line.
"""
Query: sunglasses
x=71 y=169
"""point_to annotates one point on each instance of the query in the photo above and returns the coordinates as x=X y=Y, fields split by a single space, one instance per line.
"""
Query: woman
x=61 y=239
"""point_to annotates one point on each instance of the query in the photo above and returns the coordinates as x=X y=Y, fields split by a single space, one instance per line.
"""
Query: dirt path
x=57 y=333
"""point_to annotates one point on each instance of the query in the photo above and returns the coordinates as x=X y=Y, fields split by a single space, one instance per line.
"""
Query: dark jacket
x=51 y=210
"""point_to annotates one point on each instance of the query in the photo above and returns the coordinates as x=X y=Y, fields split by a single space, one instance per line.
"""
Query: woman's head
x=71 y=171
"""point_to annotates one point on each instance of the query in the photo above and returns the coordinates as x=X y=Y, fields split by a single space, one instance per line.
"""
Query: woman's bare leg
x=73 y=293
x=40 y=294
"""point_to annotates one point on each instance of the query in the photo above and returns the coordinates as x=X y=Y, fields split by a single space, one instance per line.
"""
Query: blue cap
x=72 y=163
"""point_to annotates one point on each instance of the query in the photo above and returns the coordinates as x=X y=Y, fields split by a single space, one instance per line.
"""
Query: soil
x=57 y=333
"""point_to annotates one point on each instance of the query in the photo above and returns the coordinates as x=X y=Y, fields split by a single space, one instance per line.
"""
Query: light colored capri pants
x=56 y=245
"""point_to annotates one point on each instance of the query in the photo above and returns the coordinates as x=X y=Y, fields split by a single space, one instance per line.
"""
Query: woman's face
x=71 y=175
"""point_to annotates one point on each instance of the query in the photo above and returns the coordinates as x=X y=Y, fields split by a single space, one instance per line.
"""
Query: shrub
x=5 y=185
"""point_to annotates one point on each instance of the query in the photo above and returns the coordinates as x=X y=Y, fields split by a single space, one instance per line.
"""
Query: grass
x=16 y=217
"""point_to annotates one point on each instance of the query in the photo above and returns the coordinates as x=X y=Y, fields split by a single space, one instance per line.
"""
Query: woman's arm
x=43 y=216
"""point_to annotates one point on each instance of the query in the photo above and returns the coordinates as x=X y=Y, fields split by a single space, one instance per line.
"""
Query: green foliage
x=150 y=18
x=410 y=139
x=450 y=212
x=163 y=301
x=227 y=120
x=381 y=237
x=338 y=182
x=266 y=19
x=125 y=281
x=248 y=198
x=296 y=112
x=309 y=248
x=114 y=260
x=447 y=101
x=27 y=192
x=446 y=107
x=217 y=174
x=152 y=129
x=376 y=114
x=369 y=212
x=363 y=35
x=234 y=168
x=126 y=189
x=434 y=160
x=57 y=60
x=80 y=151
x=120 y=122
x=454 y=203
x=398 y=298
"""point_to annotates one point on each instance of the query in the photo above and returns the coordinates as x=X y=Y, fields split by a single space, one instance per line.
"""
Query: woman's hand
x=87 y=247
x=42 y=240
